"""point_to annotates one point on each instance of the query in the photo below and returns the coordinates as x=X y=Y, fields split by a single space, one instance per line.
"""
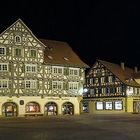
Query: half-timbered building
x=111 y=88
x=38 y=76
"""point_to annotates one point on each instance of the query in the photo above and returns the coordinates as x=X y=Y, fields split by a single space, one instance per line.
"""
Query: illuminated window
x=57 y=85
x=99 y=106
x=30 y=84
x=3 y=67
x=2 y=51
x=108 y=105
x=118 y=105
x=32 y=107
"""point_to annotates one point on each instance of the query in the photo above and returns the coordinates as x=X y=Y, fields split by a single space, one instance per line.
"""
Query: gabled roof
x=124 y=75
x=60 y=53
x=26 y=27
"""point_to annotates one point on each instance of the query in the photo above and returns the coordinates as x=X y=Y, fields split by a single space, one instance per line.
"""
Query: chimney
x=135 y=69
x=122 y=65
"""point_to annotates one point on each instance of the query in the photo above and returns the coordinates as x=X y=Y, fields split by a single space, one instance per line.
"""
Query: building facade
x=111 y=88
x=38 y=76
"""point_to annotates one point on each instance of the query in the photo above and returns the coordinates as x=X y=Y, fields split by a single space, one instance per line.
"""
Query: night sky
x=106 y=30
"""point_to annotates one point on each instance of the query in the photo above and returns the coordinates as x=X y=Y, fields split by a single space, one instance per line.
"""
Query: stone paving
x=83 y=127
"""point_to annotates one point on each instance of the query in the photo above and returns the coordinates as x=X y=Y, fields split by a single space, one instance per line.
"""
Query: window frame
x=30 y=69
x=17 y=54
x=73 y=86
x=73 y=71
x=31 y=85
x=2 y=83
x=32 y=53
x=102 y=105
x=2 y=70
x=18 y=39
x=57 y=85
x=56 y=70
x=3 y=51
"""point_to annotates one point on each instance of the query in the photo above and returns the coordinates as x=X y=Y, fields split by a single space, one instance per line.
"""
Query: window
x=118 y=89
x=96 y=80
x=33 y=53
x=57 y=85
x=57 y=70
x=30 y=68
x=118 y=105
x=110 y=79
x=30 y=84
x=74 y=72
x=3 y=67
x=17 y=52
x=73 y=85
x=108 y=105
x=92 y=91
x=32 y=107
x=102 y=80
x=2 y=51
x=17 y=39
x=3 y=83
x=91 y=81
x=103 y=90
x=99 y=105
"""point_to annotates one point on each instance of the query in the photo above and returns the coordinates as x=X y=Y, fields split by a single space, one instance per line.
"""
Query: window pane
x=2 y=50
x=17 y=52
x=118 y=105
x=33 y=53
x=99 y=105
x=108 y=105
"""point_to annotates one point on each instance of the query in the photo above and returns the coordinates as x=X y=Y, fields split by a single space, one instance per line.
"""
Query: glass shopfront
x=109 y=105
x=68 y=108
x=9 y=109
x=51 y=108
x=32 y=107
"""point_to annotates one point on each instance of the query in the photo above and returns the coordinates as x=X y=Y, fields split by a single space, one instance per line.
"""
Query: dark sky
x=107 y=30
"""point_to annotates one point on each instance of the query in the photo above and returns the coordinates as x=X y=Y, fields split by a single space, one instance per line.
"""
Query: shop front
x=9 y=109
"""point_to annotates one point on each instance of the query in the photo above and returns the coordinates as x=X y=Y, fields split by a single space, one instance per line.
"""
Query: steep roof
x=124 y=75
x=60 y=53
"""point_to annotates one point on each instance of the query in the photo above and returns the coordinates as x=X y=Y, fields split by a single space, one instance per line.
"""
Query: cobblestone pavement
x=83 y=127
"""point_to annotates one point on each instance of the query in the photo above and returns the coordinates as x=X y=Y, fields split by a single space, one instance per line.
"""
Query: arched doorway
x=68 y=108
x=32 y=107
x=51 y=108
x=9 y=109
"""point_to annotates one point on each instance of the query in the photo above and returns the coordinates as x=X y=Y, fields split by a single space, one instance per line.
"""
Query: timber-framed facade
x=111 y=88
x=38 y=76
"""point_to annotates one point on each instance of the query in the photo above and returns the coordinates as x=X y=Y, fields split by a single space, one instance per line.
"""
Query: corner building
x=38 y=76
x=111 y=88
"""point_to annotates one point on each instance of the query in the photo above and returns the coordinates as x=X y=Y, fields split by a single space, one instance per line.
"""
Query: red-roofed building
x=111 y=88
x=38 y=76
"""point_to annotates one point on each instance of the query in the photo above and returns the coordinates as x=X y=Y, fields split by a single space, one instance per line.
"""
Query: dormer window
x=17 y=39
x=65 y=58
